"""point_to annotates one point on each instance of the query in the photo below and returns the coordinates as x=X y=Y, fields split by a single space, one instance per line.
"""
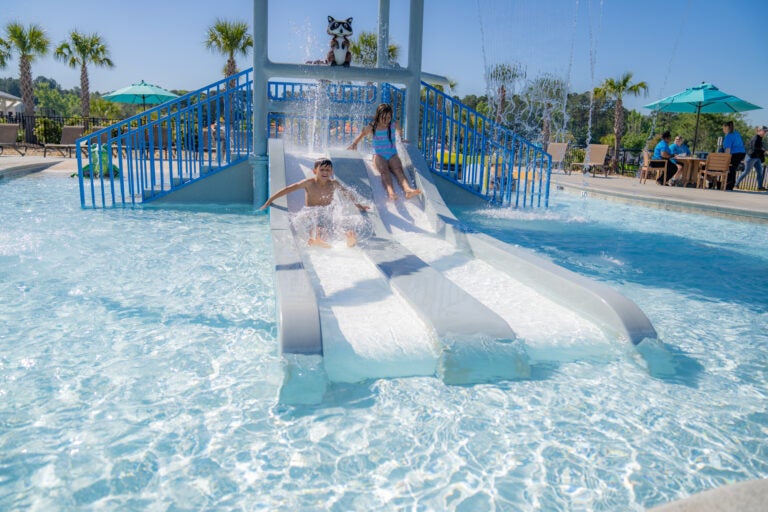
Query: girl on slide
x=385 y=152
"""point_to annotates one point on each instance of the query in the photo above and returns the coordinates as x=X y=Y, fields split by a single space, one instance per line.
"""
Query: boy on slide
x=318 y=194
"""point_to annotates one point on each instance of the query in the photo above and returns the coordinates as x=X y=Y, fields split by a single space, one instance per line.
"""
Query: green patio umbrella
x=141 y=92
x=703 y=98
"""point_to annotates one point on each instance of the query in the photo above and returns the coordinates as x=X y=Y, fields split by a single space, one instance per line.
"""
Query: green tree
x=616 y=90
x=229 y=38
x=365 y=50
x=79 y=51
x=53 y=101
x=106 y=109
x=29 y=43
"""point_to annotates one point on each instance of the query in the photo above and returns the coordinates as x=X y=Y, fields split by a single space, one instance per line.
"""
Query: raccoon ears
x=330 y=19
x=349 y=20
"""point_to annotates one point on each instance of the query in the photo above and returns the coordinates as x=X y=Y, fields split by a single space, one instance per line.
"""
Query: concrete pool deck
x=739 y=205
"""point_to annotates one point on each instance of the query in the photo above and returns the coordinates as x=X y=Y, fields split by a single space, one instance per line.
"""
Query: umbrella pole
x=696 y=131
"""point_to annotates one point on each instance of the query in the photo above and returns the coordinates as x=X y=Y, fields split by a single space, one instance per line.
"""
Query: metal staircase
x=204 y=132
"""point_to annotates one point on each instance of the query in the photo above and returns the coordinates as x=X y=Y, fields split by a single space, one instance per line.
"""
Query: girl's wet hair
x=321 y=162
x=382 y=110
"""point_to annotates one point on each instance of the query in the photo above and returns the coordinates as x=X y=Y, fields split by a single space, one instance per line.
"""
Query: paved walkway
x=752 y=206
x=742 y=205
x=14 y=165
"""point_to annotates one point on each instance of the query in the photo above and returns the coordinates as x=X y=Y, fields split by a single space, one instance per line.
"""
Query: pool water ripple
x=139 y=370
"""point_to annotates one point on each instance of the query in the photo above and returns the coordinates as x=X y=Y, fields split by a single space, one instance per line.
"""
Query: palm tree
x=229 y=38
x=29 y=43
x=616 y=89
x=80 y=50
x=500 y=78
x=365 y=50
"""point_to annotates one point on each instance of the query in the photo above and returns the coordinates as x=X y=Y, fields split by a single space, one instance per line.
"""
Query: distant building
x=10 y=104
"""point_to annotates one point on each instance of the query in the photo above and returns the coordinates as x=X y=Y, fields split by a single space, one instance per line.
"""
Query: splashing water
x=331 y=223
x=592 y=64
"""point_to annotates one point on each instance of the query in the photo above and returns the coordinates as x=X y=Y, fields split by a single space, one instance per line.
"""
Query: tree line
x=81 y=50
x=541 y=110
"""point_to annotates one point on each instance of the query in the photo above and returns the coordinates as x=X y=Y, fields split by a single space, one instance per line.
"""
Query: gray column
x=382 y=55
x=413 y=84
x=259 y=159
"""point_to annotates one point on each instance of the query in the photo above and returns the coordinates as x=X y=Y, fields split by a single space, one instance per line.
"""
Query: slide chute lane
x=298 y=317
x=614 y=313
x=472 y=335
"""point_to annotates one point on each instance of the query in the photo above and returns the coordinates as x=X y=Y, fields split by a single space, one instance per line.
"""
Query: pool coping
x=739 y=205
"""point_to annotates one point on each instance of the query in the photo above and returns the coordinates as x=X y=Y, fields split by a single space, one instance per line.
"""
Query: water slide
x=419 y=295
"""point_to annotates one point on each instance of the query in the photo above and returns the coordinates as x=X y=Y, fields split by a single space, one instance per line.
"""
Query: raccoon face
x=339 y=27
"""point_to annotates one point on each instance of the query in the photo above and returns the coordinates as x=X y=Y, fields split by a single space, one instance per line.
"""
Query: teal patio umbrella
x=141 y=92
x=703 y=98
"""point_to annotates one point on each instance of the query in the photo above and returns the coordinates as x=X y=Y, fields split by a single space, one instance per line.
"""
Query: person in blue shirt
x=663 y=152
x=679 y=147
x=733 y=144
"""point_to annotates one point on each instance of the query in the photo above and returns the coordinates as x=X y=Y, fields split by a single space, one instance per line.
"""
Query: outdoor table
x=691 y=167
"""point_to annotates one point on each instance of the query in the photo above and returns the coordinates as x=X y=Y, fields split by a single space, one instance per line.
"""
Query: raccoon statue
x=340 y=30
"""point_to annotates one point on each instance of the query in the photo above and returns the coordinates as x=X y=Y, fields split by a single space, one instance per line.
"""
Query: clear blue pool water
x=139 y=370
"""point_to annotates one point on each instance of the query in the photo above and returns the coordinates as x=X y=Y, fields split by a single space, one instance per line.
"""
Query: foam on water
x=139 y=370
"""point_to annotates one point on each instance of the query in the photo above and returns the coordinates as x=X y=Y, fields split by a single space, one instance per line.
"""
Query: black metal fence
x=46 y=129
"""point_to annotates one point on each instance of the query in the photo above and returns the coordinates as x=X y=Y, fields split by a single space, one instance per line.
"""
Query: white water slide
x=419 y=296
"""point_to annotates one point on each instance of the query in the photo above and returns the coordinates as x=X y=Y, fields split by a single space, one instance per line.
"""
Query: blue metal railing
x=481 y=156
x=187 y=139
x=167 y=147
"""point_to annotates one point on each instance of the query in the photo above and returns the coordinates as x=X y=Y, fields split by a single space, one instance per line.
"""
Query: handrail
x=168 y=146
x=203 y=132
x=481 y=156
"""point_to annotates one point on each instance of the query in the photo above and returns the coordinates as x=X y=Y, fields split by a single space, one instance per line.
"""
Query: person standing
x=755 y=158
x=733 y=144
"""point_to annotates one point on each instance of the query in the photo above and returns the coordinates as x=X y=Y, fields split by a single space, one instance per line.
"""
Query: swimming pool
x=139 y=370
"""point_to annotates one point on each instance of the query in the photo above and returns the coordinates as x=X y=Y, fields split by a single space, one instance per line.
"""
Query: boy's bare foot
x=319 y=243
x=412 y=193
x=351 y=239
x=393 y=196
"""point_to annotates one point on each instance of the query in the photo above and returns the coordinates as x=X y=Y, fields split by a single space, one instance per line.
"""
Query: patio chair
x=69 y=134
x=659 y=170
x=8 y=135
x=557 y=150
x=715 y=169
x=594 y=159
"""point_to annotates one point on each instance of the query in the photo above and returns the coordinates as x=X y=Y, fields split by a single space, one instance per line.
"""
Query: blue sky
x=670 y=44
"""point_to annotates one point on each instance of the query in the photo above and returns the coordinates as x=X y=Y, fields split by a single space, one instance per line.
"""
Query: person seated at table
x=679 y=147
x=662 y=152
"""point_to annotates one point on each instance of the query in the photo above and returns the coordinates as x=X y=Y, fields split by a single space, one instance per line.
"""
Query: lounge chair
x=715 y=169
x=8 y=135
x=557 y=150
x=69 y=134
x=594 y=159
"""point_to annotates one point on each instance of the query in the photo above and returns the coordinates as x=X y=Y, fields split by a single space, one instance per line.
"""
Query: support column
x=413 y=85
x=382 y=44
x=258 y=159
